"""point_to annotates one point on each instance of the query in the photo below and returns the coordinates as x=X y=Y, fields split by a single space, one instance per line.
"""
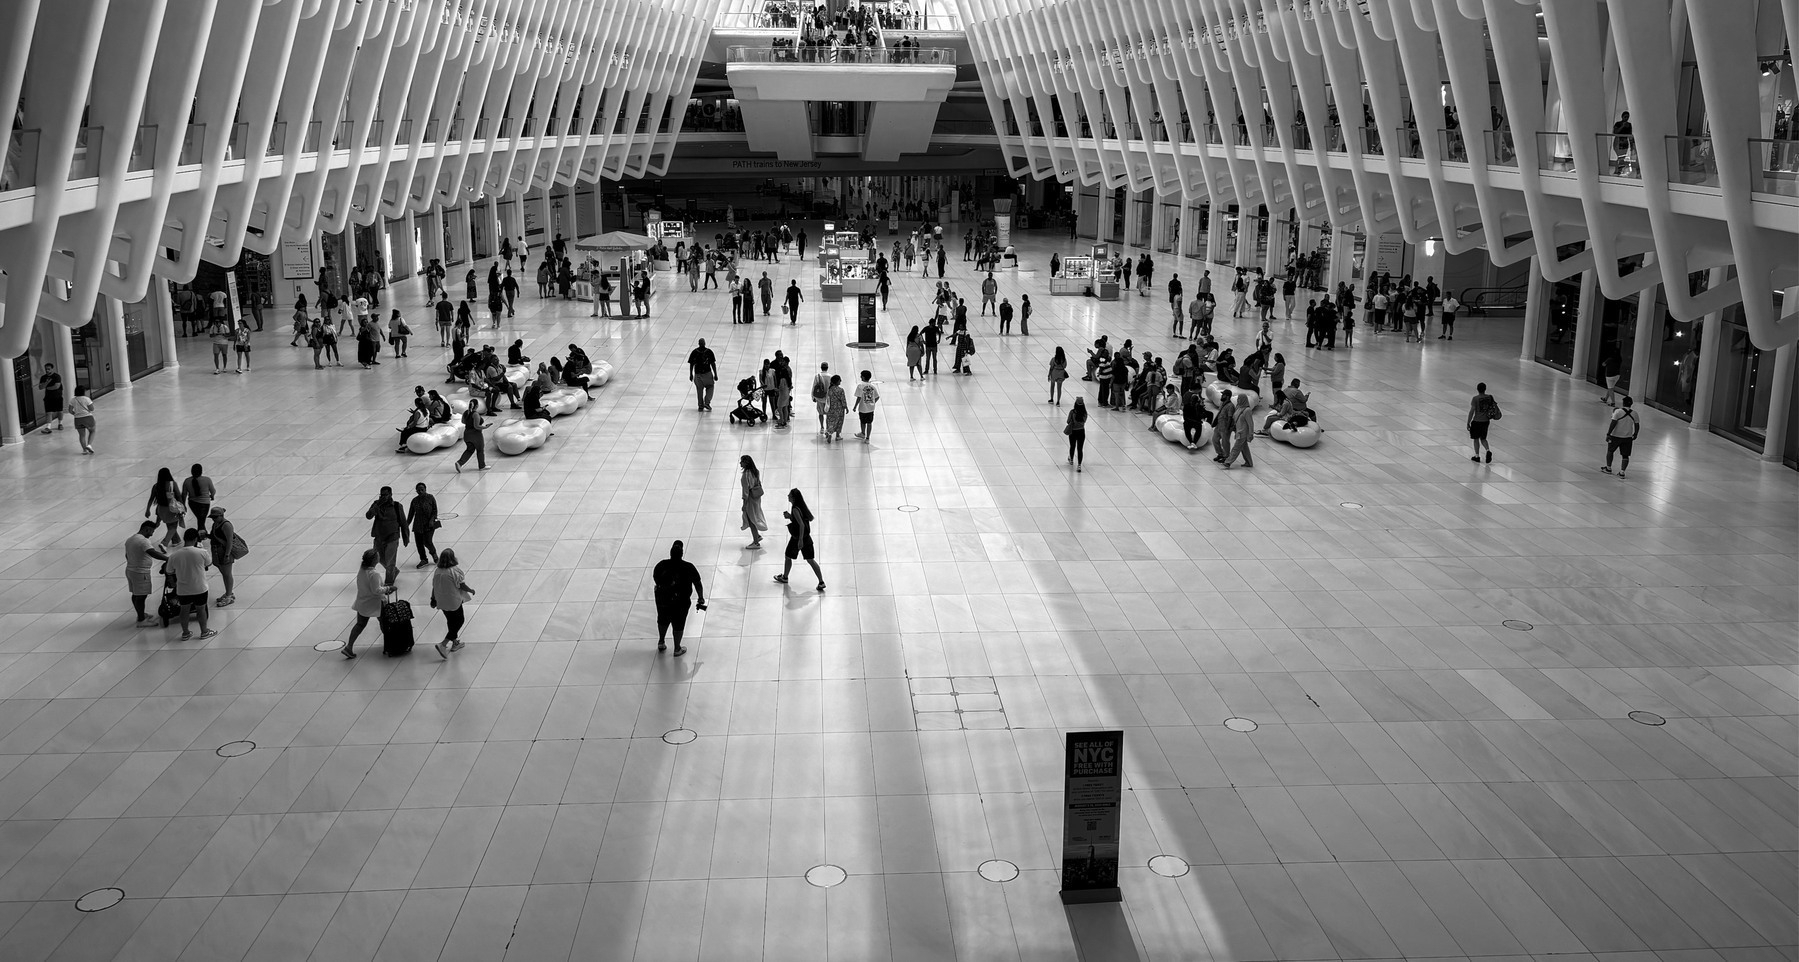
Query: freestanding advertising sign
x=865 y=320
x=1093 y=786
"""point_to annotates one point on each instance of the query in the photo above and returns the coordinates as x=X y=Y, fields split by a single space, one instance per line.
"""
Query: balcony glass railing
x=193 y=145
x=20 y=169
x=1618 y=152
x=1555 y=152
x=1302 y=137
x=84 y=160
x=890 y=56
x=1691 y=161
x=278 y=137
x=1501 y=152
x=1407 y=143
x=1776 y=166
x=1454 y=148
x=1371 y=141
x=314 y=137
x=143 y=149
x=1334 y=141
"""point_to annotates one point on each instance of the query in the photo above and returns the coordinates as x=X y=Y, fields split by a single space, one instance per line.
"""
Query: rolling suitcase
x=396 y=628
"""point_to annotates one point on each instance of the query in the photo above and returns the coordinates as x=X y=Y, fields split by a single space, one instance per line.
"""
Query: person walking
x=676 y=580
x=793 y=302
x=964 y=350
x=397 y=333
x=370 y=594
x=1620 y=433
x=837 y=407
x=169 y=505
x=1482 y=411
x=753 y=521
x=914 y=354
x=1243 y=430
x=81 y=408
x=187 y=565
x=866 y=396
x=421 y=517
x=1223 y=426
x=799 y=537
x=140 y=550
x=389 y=531
x=942 y=261
x=473 y=444
x=821 y=394
x=1058 y=372
x=1608 y=375
x=1076 y=429
x=450 y=594
x=223 y=542
x=49 y=384
x=1024 y=315
x=765 y=288
x=702 y=370
x=1288 y=290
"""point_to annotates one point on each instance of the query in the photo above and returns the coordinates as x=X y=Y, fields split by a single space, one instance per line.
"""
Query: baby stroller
x=746 y=411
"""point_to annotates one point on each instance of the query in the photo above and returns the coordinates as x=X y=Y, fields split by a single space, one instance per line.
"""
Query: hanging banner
x=1092 y=793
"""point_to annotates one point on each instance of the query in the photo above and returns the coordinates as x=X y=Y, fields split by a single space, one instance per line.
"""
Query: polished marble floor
x=1422 y=781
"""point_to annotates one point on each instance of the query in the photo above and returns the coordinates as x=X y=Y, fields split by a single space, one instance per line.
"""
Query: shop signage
x=1092 y=793
x=296 y=260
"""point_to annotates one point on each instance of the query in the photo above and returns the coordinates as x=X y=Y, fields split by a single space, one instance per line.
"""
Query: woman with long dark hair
x=1077 y=433
x=799 y=537
x=166 y=501
x=1058 y=372
x=753 y=520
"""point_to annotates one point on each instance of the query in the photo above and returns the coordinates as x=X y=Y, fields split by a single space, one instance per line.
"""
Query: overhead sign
x=1092 y=795
x=296 y=260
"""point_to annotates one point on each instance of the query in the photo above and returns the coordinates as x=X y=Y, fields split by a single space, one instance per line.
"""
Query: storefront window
x=481 y=230
x=1233 y=224
x=143 y=348
x=93 y=356
x=1145 y=205
x=1560 y=317
x=1171 y=228
x=1675 y=361
x=1744 y=385
x=1201 y=217
x=1617 y=338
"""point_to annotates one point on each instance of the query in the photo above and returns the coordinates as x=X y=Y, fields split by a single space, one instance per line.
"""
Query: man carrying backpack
x=1620 y=432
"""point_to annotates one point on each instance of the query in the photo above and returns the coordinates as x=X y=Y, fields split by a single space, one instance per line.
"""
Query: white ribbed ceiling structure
x=156 y=133
x=1558 y=71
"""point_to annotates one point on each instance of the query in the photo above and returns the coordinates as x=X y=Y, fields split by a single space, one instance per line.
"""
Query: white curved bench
x=1172 y=427
x=602 y=372
x=517 y=437
x=1303 y=436
x=1215 y=394
x=434 y=437
x=564 y=400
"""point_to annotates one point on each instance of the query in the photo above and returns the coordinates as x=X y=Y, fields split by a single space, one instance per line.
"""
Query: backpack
x=1636 y=426
x=1490 y=407
x=818 y=388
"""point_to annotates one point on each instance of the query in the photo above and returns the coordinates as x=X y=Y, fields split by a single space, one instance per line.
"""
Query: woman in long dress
x=837 y=406
x=752 y=501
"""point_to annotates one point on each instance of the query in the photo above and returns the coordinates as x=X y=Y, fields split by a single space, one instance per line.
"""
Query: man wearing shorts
x=1480 y=415
x=187 y=565
x=866 y=396
x=676 y=579
x=1620 y=434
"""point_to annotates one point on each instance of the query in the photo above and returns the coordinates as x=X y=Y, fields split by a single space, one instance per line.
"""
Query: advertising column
x=1093 y=784
x=1002 y=221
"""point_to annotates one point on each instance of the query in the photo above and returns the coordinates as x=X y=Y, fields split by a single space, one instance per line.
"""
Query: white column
x=9 y=406
x=1710 y=341
x=62 y=344
x=1780 y=405
x=1534 y=308
x=115 y=339
x=1648 y=326
x=1214 y=234
x=1586 y=325
x=162 y=305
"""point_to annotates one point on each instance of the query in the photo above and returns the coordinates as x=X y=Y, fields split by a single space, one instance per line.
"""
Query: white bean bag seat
x=1303 y=436
x=519 y=375
x=458 y=404
x=564 y=400
x=1172 y=427
x=602 y=372
x=517 y=437
x=434 y=437
x=1215 y=394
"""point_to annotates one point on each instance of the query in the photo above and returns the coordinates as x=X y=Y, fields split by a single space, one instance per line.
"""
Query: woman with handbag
x=450 y=595
x=1058 y=372
x=224 y=543
x=753 y=519
x=168 y=504
x=1076 y=429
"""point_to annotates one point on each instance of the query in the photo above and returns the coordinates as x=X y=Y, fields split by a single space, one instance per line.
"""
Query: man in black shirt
x=702 y=370
x=931 y=333
x=676 y=580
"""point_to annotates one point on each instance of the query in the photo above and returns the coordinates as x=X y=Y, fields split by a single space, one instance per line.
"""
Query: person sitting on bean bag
x=534 y=402
x=579 y=370
x=1293 y=405
x=437 y=408
x=417 y=422
x=1227 y=367
x=515 y=354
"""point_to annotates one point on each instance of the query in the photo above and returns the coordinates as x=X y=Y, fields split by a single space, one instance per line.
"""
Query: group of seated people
x=1153 y=387
x=486 y=376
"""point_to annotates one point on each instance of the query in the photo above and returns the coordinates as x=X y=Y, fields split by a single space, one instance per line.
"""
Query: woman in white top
x=81 y=408
x=369 y=597
x=753 y=519
x=449 y=594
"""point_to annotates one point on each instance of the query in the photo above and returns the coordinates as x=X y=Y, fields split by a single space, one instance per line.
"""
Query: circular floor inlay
x=908 y=508
x=679 y=736
x=998 y=870
x=234 y=749
x=1647 y=718
x=332 y=645
x=1517 y=625
x=1240 y=724
x=99 y=900
x=1168 y=866
x=1352 y=504
x=825 y=876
